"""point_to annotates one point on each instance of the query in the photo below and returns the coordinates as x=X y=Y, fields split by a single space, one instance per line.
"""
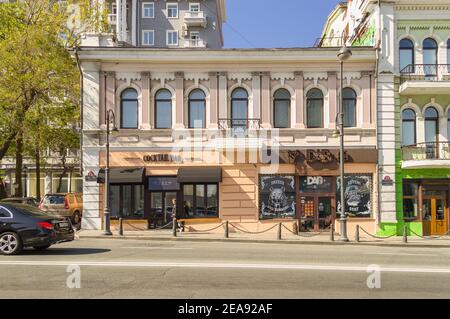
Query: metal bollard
x=332 y=232
x=120 y=226
x=174 y=227
x=227 y=233
x=405 y=234
x=357 y=234
x=279 y=231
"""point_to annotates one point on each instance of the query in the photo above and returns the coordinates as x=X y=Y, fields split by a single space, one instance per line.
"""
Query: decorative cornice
x=163 y=77
x=128 y=76
x=196 y=77
x=315 y=76
x=239 y=76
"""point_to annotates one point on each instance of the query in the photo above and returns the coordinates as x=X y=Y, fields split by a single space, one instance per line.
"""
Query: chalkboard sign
x=277 y=196
x=357 y=194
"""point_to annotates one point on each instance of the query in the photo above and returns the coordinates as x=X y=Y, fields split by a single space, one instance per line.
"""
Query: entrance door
x=434 y=213
x=161 y=208
x=316 y=212
x=438 y=216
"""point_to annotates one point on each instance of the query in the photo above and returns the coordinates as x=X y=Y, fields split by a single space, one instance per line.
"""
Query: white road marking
x=132 y=264
x=157 y=248
x=401 y=254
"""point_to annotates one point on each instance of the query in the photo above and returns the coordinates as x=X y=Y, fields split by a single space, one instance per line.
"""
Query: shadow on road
x=65 y=251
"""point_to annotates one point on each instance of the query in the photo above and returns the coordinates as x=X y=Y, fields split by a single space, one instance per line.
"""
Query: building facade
x=239 y=135
x=163 y=24
x=413 y=80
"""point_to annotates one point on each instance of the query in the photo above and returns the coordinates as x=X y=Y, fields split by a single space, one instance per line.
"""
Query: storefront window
x=277 y=196
x=127 y=201
x=200 y=200
x=357 y=195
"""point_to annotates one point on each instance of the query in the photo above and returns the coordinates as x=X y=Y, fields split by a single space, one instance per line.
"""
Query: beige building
x=239 y=135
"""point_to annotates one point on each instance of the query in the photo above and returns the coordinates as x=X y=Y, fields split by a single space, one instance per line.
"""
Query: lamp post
x=343 y=55
x=110 y=117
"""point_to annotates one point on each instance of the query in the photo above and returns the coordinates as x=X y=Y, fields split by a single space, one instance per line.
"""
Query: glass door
x=325 y=212
x=438 y=216
x=162 y=206
x=307 y=209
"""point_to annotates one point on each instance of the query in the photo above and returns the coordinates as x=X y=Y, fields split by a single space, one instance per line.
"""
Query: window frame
x=409 y=120
x=189 y=109
x=275 y=100
x=413 y=54
x=436 y=122
x=121 y=109
x=194 y=198
x=153 y=37
x=191 y=4
x=414 y=197
x=355 y=99
x=239 y=99
x=322 y=108
x=177 y=10
x=133 y=198
x=152 y=4
x=11 y=215
x=177 y=37
x=156 y=109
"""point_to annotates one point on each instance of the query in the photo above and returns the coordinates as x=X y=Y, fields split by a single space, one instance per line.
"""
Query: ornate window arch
x=409 y=127
x=282 y=108
x=239 y=107
x=407 y=55
x=349 y=100
x=197 y=109
x=314 y=108
x=163 y=109
x=129 y=109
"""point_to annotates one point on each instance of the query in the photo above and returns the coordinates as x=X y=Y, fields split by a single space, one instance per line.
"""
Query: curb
x=265 y=241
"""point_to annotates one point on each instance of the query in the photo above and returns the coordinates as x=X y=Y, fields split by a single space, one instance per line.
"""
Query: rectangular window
x=200 y=200
x=410 y=200
x=114 y=8
x=172 y=37
x=148 y=10
x=277 y=196
x=357 y=195
x=172 y=10
x=148 y=37
x=194 y=7
x=127 y=201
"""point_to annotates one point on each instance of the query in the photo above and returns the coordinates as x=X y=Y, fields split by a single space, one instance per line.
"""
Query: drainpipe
x=81 y=108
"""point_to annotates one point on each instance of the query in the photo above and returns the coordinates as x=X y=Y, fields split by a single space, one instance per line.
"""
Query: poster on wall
x=277 y=196
x=357 y=194
x=316 y=184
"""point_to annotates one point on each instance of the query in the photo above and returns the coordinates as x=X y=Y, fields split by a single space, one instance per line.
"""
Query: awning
x=122 y=176
x=199 y=175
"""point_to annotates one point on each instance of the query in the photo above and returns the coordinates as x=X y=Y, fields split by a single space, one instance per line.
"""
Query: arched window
x=163 y=109
x=314 y=108
x=431 y=131
x=406 y=56
x=281 y=108
x=239 y=108
x=430 y=51
x=197 y=109
x=349 y=104
x=129 y=109
x=408 y=127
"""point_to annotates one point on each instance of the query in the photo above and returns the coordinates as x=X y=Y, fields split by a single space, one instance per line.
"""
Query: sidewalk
x=271 y=238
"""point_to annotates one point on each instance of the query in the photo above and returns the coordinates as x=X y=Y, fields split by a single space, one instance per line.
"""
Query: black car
x=23 y=226
x=22 y=200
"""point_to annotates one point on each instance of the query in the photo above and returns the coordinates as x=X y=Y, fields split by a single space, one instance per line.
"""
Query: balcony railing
x=426 y=151
x=425 y=72
x=239 y=124
x=112 y=19
x=195 y=18
x=194 y=43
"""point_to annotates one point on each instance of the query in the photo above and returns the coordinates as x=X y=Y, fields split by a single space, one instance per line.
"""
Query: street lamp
x=110 y=118
x=343 y=55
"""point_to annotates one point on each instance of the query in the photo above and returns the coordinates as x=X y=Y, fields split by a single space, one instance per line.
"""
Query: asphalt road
x=166 y=269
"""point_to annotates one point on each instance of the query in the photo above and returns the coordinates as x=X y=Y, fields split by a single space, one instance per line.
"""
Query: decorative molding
x=128 y=77
x=163 y=77
x=196 y=77
x=239 y=76
x=315 y=76
x=146 y=74
x=283 y=76
x=349 y=76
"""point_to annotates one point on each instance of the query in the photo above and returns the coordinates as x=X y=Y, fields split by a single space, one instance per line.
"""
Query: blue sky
x=278 y=24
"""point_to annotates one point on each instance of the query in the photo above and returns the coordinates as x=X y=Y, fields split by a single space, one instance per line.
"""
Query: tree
x=36 y=68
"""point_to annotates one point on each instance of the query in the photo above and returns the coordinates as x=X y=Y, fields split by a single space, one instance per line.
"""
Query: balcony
x=426 y=155
x=195 y=19
x=195 y=43
x=239 y=124
x=418 y=79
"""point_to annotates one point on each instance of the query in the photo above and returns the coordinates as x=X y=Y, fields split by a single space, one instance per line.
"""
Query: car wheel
x=41 y=247
x=76 y=218
x=10 y=244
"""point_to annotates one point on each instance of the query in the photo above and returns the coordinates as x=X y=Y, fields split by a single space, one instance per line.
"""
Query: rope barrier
x=162 y=227
x=377 y=237
x=206 y=230
x=428 y=237
x=325 y=230
x=250 y=232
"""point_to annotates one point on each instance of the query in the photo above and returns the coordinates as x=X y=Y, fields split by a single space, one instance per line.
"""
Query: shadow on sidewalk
x=64 y=251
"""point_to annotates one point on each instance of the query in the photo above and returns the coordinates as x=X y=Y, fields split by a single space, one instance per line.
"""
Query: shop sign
x=357 y=195
x=387 y=181
x=163 y=184
x=277 y=196
x=90 y=177
x=316 y=184
x=169 y=158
